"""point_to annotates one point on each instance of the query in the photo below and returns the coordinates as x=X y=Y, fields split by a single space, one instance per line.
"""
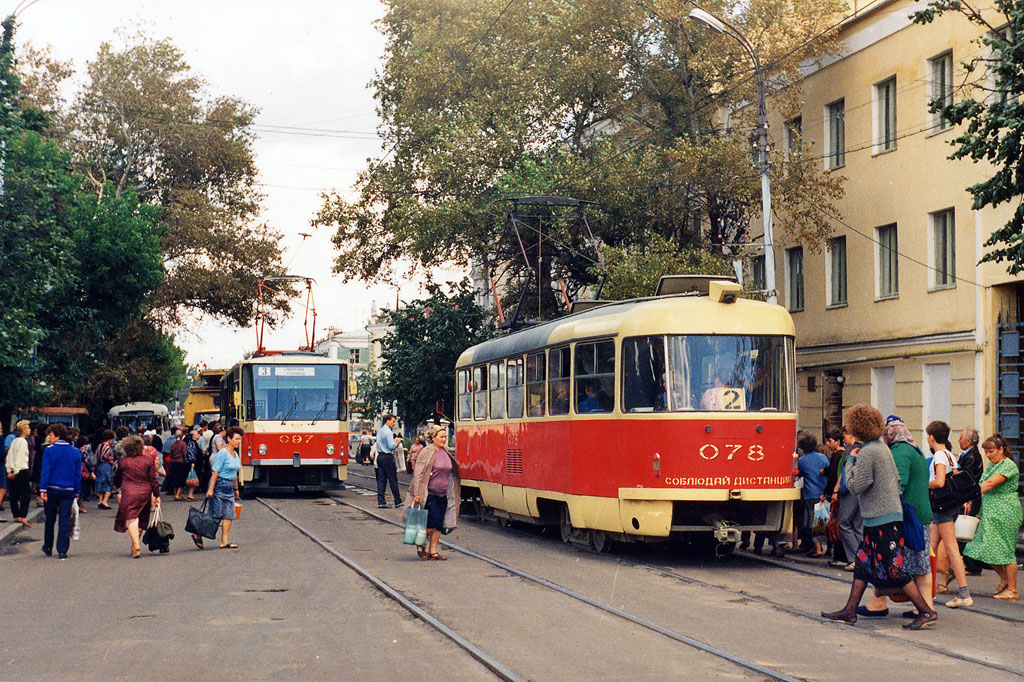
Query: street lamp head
x=708 y=19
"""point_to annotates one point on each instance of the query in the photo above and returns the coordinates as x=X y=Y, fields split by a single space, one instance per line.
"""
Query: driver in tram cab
x=712 y=398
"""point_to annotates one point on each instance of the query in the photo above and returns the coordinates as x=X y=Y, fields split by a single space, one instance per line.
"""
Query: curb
x=13 y=528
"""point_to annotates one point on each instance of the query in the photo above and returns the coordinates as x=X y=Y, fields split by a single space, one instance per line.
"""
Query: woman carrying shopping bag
x=435 y=484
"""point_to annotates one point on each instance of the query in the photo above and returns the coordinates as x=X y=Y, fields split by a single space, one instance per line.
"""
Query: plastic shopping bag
x=193 y=478
x=822 y=512
x=415 y=526
x=76 y=520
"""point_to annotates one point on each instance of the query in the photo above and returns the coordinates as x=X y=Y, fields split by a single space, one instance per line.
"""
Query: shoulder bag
x=960 y=487
x=201 y=522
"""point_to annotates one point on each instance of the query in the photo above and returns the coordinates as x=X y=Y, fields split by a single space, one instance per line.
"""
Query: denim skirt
x=222 y=505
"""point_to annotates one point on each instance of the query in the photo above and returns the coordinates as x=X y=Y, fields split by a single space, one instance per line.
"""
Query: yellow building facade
x=896 y=311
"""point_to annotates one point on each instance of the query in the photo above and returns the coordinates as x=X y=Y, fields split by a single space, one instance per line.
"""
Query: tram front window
x=707 y=372
x=298 y=392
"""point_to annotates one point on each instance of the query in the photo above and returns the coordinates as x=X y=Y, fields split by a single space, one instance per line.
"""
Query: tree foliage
x=992 y=110
x=417 y=357
x=614 y=103
x=143 y=121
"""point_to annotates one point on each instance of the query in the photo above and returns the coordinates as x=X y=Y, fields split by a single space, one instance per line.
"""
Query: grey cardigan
x=873 y=478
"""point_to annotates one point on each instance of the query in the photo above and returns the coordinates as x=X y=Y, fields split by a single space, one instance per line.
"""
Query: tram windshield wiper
x=317 y=416
x=294 y=405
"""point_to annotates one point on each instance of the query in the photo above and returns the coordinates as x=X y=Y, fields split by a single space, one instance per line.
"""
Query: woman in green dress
x=996 y=540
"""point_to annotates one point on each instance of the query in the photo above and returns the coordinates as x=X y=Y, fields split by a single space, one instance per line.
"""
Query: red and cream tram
x=293 y=407
x=671 y=416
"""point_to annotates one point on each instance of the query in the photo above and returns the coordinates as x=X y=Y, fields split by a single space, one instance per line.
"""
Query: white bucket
x=965 y=527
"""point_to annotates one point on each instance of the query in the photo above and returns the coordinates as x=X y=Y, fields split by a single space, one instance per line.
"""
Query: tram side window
x=515 y=388
x=480 y=392
x=465 y=396
x=595 y=377
x=497 y=391
x=535 y=384
x=560 y=365
x=643 y=375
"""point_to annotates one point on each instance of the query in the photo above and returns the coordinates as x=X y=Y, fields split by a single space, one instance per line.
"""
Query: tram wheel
x=600 y=541
x=565 y=524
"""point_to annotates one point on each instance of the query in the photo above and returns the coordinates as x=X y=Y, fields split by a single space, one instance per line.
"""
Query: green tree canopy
x=418 y=356
x=615 y=103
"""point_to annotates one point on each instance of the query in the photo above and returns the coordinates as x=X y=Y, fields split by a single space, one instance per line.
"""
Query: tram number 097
x=285 y=438
x=710 y=451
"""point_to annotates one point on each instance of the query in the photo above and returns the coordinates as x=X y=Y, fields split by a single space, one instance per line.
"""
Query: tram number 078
x=297 y=438
x=710 y=451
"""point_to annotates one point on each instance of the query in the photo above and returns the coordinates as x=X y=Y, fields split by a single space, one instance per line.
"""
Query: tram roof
x=681 y=314
x=292 y=358
x=155 y=408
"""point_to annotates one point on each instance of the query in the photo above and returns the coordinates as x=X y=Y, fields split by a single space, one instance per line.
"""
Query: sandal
x=421 y=552
x=230 y=545
x=1007 y=594
x=926 y=620
x=437 y=557
x=840 y=617
x=198 y=540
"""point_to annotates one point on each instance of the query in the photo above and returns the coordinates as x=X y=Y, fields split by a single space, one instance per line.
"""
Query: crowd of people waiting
x=878 y=483
x=65 y=469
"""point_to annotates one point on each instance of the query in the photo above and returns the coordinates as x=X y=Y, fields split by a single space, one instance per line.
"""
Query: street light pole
x=720 y=26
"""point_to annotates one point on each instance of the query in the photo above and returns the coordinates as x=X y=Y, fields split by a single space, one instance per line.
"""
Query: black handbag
x=200 y=522
x=159 y=534
x=960 y=487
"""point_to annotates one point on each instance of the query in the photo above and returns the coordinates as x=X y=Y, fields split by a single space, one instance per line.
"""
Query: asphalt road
x=282 y=608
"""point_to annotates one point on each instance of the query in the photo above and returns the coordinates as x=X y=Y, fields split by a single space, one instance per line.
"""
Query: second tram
x=652 y=418
x=293 y=407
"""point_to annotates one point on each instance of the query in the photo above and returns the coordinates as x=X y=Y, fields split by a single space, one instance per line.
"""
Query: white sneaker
x=957 y=602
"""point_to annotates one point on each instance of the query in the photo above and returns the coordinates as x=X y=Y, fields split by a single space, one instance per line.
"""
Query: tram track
x=791 y=610
x=501 y=671
x=796 y=567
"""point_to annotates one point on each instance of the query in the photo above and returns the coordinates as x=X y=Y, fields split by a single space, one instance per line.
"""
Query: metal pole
x=719 y=25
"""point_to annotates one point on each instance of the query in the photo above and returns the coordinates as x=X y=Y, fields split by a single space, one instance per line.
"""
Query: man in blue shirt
x=813 y=467
x=387 y=472
x=59 y=485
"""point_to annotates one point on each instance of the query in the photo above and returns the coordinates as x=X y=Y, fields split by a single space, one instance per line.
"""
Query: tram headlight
x=330 y=448
x=262 y=449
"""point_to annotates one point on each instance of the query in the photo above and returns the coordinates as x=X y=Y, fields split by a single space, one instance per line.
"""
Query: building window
x=758 y=282
x=885 y=115
x=888 y=265
x=883 y=389
x=935 y=393
x=837 y=271
x=836 y=143
x=353 y=356
x=944 y=248
x=795 y=277
x=941 y=69
x=794 y=129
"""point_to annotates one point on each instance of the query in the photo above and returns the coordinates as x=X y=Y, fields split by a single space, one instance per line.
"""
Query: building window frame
x=942 y=249
x=940 y=79
x=793 y=132
x=885 y=116
x=836 y=274
x=795 y=279
x=835 y=134
x=887 y=282
x=758 y=279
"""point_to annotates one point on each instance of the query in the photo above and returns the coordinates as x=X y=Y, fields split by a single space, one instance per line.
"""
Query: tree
x=418 y=356
x=993 y=111
x=143 y=122
x=614 y=103
x=635 y=273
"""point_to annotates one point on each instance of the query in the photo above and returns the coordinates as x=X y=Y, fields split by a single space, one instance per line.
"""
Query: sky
x=305 y=64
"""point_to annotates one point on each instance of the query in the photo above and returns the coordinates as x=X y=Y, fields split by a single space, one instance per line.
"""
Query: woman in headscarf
x=435 y=484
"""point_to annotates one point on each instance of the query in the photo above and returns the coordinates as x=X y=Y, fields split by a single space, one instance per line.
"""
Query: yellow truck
x=203 y=402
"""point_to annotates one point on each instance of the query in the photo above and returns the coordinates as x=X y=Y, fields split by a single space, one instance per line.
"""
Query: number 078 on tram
x=672 y=416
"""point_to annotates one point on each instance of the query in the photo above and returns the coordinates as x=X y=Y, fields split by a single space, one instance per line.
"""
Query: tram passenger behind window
x=560 y=397
x=590 y=403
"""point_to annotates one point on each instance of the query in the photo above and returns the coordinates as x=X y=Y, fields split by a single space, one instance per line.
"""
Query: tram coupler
x=726 y=534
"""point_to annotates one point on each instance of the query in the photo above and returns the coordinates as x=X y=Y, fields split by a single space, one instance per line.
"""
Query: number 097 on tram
x=651 y=418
